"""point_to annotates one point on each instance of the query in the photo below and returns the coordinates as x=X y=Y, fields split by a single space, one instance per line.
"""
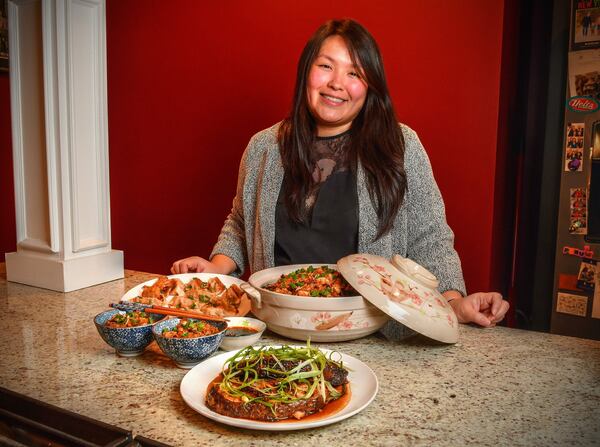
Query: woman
x=341 y=176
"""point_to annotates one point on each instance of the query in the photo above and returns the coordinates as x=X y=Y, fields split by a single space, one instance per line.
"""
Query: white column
x=60 y=145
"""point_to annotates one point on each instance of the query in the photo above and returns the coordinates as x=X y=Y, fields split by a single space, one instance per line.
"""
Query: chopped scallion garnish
x=272 y=375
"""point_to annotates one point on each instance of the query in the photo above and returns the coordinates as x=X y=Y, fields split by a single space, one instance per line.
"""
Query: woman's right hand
x=194 y=264
x=219 y=264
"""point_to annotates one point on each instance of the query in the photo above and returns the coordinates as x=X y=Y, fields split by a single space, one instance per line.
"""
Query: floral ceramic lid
x=405 y=291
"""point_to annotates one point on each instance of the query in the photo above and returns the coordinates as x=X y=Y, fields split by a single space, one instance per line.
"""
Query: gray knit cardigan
x=420 y=231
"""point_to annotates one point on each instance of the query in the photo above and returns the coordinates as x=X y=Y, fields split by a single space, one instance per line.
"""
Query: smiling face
x=335 y=89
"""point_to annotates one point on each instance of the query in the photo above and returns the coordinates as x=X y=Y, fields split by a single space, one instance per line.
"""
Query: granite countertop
x=496 y=386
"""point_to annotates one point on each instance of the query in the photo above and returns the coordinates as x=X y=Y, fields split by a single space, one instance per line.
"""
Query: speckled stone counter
x=495 y=387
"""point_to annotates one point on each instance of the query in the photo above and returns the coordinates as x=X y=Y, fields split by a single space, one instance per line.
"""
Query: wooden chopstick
x=180 y=313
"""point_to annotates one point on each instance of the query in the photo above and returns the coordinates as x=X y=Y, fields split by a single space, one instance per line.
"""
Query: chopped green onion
x=298 y=381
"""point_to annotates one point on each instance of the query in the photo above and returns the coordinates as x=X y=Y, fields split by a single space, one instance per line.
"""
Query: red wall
x=8 y=231
x=189 y=83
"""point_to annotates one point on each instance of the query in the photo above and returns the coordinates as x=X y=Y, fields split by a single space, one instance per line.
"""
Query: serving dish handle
x=252 y=293
x=415 y=271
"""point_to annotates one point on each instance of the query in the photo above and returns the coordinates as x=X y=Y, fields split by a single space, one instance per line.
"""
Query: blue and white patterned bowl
x=188 y=352
x=128 y=341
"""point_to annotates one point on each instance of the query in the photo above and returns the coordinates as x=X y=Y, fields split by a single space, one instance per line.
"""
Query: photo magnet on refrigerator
x=587 y=274
x=574 y=147
x=584 y=27
x=578 y=211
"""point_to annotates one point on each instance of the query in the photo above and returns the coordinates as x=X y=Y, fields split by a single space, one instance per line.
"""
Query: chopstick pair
x=161 y=310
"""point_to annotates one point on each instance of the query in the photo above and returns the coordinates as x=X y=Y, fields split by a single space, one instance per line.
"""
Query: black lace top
x=331 y=229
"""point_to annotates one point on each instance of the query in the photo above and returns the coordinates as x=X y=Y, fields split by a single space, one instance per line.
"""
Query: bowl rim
x=171 y=318
x=257 y=324
x=125 y=328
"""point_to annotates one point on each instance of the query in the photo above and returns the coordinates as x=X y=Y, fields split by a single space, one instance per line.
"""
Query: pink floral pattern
x=320 y=317
x=323 y=318
x=403 y=293
x=345 y=325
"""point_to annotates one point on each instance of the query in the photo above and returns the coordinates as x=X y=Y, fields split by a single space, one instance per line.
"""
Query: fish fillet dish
x=320 y=281
x=275 y=383
x=210 y=297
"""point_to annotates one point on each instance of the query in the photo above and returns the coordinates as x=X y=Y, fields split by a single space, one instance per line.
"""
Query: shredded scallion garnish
x=285 y=374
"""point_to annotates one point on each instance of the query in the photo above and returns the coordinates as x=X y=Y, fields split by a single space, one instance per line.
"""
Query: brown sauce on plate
x=239 y=331
x=329 y=410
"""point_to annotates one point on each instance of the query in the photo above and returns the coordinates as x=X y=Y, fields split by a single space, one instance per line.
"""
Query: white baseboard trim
x=49 y=272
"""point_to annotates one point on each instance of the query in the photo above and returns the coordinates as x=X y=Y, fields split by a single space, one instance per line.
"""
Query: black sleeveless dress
x=330 y=230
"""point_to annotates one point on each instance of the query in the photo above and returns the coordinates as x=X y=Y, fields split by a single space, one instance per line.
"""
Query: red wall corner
x=8 y=229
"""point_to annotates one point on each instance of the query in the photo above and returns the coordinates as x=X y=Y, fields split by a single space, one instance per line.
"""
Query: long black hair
x=376 y=139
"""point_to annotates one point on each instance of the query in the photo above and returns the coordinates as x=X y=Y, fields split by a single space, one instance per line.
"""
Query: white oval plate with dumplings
x=227 y=281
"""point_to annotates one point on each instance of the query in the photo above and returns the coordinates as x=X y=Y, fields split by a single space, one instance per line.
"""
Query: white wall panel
x=28 y=125
x=88 y=151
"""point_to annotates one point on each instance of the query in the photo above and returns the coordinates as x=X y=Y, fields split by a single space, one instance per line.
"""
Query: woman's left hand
x=483 y=308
